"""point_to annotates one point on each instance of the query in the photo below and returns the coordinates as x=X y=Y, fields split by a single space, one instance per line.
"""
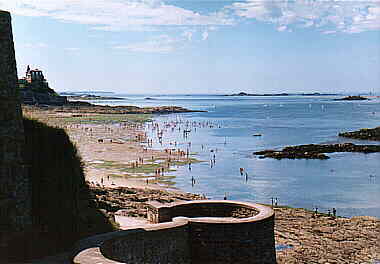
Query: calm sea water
x=342 y=182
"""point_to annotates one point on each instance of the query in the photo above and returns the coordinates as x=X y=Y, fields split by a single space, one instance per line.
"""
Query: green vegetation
x=166 y=180
x=146 y=168
x=107 y=118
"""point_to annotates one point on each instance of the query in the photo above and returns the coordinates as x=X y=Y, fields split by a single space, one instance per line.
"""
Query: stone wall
x=218 y=243
x=15 y=215
x=14 y=186
x=168 y=245
x=159 y=213
x=217 y=239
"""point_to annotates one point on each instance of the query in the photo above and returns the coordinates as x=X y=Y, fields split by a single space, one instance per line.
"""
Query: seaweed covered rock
x=352 y=98
x=365 y=133
x=315 y=151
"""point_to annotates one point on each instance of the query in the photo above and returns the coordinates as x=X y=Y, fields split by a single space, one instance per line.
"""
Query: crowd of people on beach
x=173 y=137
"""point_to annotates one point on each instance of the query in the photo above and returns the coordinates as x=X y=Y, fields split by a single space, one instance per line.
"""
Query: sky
x=200 y=46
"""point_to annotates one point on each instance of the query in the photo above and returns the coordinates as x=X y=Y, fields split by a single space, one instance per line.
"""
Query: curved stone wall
x=220 y=238
x=160 y=244
x=212 y=236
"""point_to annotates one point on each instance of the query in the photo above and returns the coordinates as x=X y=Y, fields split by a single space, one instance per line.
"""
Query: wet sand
x=115 y=149
x=301 y=236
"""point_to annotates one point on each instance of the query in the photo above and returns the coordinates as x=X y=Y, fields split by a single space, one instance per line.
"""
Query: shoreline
x=114 y=148
x=111 y=156
x=300 y=234
x=84 y=107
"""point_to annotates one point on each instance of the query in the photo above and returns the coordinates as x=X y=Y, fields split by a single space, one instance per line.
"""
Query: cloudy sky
x=200 y=46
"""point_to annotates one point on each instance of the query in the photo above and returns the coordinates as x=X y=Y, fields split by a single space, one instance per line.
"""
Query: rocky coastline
x=85 y=107
x=315 y=151
x=365 y=134
x=301 y=235
x=133 y=201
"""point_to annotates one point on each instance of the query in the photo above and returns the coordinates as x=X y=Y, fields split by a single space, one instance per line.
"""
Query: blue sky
x=195 y=46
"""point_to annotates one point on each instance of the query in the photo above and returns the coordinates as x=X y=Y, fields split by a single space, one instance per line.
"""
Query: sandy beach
x=115 y=150
x=116 y=154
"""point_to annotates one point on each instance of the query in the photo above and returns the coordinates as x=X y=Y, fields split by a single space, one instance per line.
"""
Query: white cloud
x=115 y=14
x=38 y=45
x=326 y=16
x=205 y=35
x=158 y=44
x=72 y=49
x=329 y=32
x=155 y=15
x=188 y=34
x=281 y=28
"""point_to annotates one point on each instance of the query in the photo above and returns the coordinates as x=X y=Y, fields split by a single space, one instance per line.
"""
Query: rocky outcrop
x=306 y=237
x=249 y=94
x=352 y=98
x=134 y=201
x=365 y=133
x=33 y=98
x=86 y=107
x=316 y=151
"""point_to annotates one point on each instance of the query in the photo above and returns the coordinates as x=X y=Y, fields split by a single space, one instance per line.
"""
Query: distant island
x=85 y=92
x=282 y=94
x=92 y=97
x=352 y=98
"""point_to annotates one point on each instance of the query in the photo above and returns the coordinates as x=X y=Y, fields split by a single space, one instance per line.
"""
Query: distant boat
x=257 y=135
x=149 y=98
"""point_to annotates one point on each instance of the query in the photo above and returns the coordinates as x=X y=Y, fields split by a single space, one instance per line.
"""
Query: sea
x=232 y=128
